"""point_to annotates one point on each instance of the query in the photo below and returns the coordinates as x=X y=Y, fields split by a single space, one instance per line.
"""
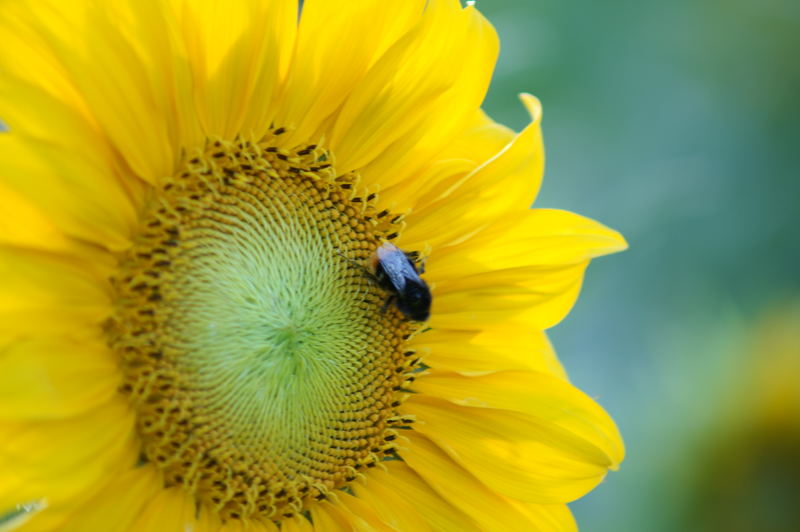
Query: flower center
x=257 y=352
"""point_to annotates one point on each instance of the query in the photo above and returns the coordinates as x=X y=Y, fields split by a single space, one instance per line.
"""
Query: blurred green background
x=677 y=124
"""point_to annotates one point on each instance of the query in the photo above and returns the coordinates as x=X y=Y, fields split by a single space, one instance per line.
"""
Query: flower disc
x=257 y=350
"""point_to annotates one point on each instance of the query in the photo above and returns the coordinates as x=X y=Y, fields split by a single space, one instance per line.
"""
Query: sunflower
x=191 y=332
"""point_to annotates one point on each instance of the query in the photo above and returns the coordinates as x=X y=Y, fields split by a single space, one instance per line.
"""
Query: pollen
x=257 y=352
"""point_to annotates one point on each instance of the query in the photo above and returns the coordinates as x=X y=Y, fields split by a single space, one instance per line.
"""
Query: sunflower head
x=212 y=315
x=260 y=357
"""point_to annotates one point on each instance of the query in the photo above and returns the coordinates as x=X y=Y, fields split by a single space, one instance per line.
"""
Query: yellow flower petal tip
x=533 y=105
x=219 y=227
x=615 y=241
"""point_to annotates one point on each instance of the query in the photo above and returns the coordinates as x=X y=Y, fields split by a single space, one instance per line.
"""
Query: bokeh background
x=677 y=124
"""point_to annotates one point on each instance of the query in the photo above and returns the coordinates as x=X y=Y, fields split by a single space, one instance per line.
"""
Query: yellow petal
x=14 y=518
x=327 y=67
x=239 y=53
x=490 y=510
x=171 y=510
x=436 y=511
x=63 y=460
x=56 y=154
x=155 y=29
x=298 y=523
x=50 y=377
x=91 y=55
x=24 y=57
x=537 y=237
x=509 y=181
x=481 y=139
x=389 y=503
x=548 y=399
x=153 y=77
x=531 y=262
x=47 y=293
x=541 y=297
x=550 y=517
x=24 y=224
x=407 y=89
x=78 y=196
x=514 y=453
x=240 y=525
x=118 y=502
x=449 y=114
x=500 y=347
x=328 y=516
x=207 y=520
x=361 y=516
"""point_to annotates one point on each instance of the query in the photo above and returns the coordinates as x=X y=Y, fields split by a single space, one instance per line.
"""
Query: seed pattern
x=264 y=373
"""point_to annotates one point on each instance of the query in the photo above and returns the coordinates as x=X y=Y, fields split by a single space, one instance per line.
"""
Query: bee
x=394 y=271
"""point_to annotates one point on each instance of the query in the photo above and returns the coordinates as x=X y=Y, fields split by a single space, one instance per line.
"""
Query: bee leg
x=413 y=256
x=388 y=303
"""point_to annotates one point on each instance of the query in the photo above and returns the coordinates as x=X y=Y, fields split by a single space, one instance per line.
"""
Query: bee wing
x=398 y=269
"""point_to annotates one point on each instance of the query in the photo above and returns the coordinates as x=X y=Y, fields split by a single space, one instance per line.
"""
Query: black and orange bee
x=395 y=272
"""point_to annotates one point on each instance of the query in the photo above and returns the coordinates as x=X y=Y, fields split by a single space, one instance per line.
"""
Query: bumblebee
x=395 y=272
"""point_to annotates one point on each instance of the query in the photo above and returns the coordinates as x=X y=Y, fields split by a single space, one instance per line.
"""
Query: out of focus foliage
x=677 y=124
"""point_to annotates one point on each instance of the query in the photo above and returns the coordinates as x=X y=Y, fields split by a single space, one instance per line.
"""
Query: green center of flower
x=256 y=350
